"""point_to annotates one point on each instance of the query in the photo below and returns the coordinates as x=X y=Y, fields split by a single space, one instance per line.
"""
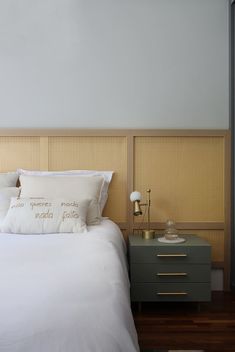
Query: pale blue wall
x=114 y=64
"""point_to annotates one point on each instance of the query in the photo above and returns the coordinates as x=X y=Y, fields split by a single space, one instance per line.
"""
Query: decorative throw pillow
x=35 y=216
x=8 y=179
x=5 y=199
x=107 y=175
x=76 y=187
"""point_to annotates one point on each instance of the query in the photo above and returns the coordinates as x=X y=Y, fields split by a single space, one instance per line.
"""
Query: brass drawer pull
x=172 y=255
x=172 y=274
x=172 y=293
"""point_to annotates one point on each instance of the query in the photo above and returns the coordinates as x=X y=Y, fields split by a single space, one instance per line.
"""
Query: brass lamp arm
x=143 y=204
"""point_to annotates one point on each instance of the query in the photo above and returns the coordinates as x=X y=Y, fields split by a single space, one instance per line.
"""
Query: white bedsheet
x=65 y=292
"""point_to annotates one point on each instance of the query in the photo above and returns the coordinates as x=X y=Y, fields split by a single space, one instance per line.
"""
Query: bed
x=64 y=292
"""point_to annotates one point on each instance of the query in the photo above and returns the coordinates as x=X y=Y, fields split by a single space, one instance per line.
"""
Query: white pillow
x=34 y=216
x=8 y=179
x=5 y=199
x=76 y=187
x=107 y=175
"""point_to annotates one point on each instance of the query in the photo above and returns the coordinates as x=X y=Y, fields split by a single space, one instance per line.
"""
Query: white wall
x=114 y=63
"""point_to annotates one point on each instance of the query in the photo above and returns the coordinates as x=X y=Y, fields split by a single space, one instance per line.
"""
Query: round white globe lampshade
x=135 y=196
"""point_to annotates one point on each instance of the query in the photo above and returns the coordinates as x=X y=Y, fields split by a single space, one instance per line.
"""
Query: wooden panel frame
x=129 y=226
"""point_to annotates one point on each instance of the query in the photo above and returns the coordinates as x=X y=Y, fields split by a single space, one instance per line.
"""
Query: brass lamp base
x=148 y=234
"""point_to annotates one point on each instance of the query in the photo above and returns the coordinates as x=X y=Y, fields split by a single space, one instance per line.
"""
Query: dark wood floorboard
x=181 y=326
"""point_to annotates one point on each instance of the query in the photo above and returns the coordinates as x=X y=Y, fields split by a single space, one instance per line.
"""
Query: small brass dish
x=148 y=234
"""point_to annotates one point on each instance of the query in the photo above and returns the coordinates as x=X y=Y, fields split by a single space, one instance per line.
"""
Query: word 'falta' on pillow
x=35 y=216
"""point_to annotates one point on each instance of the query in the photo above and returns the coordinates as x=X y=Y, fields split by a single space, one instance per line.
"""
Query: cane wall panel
x=19 y=152
x=185 y=174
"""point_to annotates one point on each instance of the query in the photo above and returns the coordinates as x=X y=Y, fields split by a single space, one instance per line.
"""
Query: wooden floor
x=181 y=326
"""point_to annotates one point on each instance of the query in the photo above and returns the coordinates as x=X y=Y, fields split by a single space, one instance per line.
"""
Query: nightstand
x=170 y=272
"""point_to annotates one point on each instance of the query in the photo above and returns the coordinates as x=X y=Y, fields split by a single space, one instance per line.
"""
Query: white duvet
x=65 y=292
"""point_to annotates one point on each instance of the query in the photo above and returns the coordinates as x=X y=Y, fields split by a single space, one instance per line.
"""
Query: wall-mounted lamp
x=135 y=197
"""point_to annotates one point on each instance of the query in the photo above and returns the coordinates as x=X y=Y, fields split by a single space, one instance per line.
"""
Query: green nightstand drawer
x=198 y=292
x=170 y=254
x=170 y=272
